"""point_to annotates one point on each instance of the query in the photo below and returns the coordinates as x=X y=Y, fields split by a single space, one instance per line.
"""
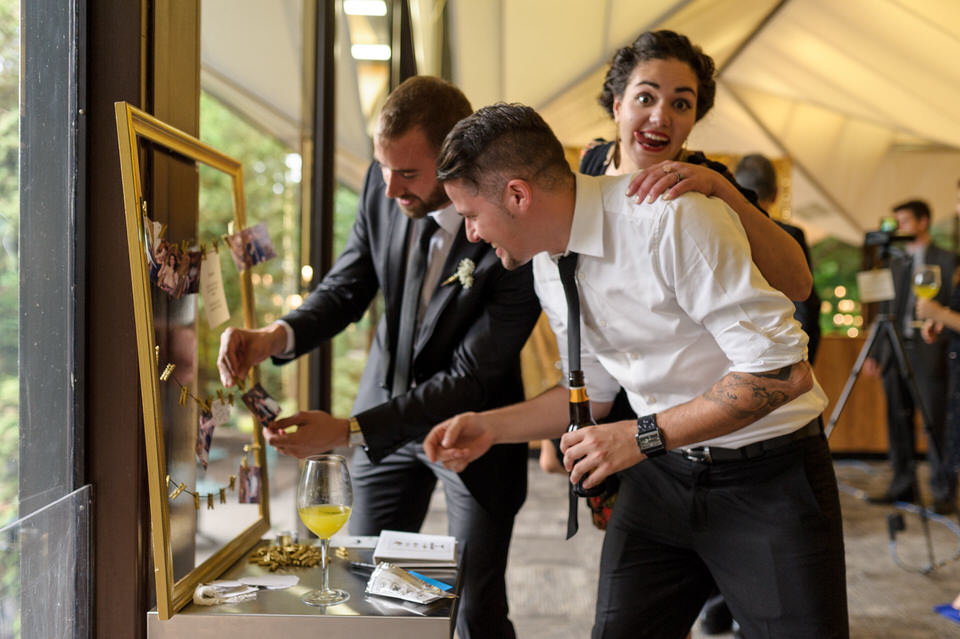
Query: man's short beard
x=435 y=201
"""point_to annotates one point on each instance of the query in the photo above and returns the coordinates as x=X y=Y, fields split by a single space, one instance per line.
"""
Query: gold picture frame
x=132 y=125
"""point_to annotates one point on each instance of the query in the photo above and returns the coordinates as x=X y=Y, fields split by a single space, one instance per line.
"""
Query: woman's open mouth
x=651 y=141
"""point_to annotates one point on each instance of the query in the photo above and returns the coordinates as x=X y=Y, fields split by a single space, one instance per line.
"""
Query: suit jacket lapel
x=460 y=250
x=394 y=270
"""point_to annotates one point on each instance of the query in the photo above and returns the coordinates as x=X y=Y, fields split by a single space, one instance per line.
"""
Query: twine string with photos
x=205 y=405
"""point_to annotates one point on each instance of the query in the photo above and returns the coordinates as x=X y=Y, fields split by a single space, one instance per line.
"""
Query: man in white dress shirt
x=727 y=475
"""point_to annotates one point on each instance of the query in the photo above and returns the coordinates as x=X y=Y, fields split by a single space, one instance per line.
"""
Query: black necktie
x=409 y=307
x=568 y=269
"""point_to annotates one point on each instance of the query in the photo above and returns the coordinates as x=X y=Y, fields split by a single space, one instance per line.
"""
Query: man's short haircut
x=499 y=143
x=423 y=101
x=756 y=173
x=919 y=209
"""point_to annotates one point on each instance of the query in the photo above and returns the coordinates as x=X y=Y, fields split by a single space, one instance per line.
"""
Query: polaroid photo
x=248 y=485
x=170 y=266
x=204 y=437
x=251 y=246
x=263 y=407
x=190 y=283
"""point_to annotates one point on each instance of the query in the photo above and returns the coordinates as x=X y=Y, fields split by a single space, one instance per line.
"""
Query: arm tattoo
x=745 y=396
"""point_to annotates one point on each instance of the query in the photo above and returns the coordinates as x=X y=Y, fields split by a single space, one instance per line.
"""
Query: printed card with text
x=211 y=287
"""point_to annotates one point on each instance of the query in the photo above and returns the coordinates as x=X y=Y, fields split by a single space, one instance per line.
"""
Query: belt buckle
x=700 y=455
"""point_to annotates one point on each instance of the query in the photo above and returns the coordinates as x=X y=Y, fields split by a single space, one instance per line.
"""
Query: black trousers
x=395 y=495
x=929 y=367
x=768 y=532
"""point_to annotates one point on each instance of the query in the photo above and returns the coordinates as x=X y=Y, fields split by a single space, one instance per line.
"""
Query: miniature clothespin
x=184 y=395
x=223 y=496
x=167 y=371
x=209 y=501
x=179 y=490
x=196 y=501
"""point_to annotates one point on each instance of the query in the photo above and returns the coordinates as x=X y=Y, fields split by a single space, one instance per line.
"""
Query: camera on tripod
x=886 y=237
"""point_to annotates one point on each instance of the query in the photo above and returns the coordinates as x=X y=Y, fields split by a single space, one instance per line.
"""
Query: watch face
x=648 y=440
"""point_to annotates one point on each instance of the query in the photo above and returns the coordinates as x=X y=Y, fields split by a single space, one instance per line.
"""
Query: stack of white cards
x=416 y=550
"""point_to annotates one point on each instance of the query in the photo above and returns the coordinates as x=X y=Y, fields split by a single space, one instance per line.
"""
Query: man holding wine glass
x=444 y=344
x=914 y=276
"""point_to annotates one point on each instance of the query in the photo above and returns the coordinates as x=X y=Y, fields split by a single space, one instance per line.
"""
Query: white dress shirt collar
x=448 y=219
x=586 y=230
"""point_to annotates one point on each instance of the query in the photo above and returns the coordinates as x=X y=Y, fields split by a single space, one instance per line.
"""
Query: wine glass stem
x=324 y=573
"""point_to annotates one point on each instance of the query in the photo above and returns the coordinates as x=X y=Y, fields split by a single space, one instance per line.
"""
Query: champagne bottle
x=581 y=415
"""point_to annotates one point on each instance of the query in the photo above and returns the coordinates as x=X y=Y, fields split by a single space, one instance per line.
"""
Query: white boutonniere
x=464 y=273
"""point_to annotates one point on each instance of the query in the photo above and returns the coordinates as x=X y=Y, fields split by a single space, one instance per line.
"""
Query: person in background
x=463 y=353
x=928 y=361
x=727 y=475
x=756 y=172
x=946 y=319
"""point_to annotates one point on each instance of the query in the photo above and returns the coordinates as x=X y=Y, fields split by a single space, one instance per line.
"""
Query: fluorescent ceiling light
x=365 y=7
x=370 y=51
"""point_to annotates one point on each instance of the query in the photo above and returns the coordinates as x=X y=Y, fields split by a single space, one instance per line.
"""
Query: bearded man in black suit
x=450 y=344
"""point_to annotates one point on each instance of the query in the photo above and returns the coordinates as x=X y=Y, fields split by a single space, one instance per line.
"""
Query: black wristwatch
x=649 y=437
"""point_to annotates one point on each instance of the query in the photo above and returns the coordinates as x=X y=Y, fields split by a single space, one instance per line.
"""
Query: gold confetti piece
x=291 y=555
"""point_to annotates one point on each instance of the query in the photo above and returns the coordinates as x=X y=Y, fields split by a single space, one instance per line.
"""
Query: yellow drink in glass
x=926 y=291
x=323 y=521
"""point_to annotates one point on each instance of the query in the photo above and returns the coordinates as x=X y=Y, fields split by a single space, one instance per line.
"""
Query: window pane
x=9 y=263
x=272 y=182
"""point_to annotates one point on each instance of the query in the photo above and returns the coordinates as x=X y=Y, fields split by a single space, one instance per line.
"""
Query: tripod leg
x=852 y=379
x=906 y=373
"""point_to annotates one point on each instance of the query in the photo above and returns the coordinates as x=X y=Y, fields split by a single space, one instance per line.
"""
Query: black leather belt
x=712 y=455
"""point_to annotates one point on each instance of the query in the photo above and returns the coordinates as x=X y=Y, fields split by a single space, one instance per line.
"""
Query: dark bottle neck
x=580 y=413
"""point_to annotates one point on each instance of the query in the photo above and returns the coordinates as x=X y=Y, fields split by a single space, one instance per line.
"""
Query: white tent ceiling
x=862 y=95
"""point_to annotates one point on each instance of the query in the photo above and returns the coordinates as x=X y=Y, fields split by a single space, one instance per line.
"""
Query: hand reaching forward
x=595 y=452
x=317 y=432
x=458 y=441
x=242 y=348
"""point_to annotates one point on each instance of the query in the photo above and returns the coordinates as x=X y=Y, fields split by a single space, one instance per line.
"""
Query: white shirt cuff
x=289 y=351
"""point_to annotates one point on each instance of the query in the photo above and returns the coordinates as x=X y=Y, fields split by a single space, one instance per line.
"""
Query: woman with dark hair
x=656 y=90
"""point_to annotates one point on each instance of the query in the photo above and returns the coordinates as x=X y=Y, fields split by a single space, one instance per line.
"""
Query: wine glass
x=324 y=498
x=926 y=285
x=926 y=281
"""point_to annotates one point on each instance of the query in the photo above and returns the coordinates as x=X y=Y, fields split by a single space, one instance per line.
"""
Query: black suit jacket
x=465 y=353
x=901 y=268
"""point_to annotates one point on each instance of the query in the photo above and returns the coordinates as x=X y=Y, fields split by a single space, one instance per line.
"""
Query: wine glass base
x=329 y=597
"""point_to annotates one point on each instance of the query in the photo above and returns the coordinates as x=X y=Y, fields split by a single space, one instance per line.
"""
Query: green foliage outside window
x=9 y=311
x=271 y=174
x=835 y=268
